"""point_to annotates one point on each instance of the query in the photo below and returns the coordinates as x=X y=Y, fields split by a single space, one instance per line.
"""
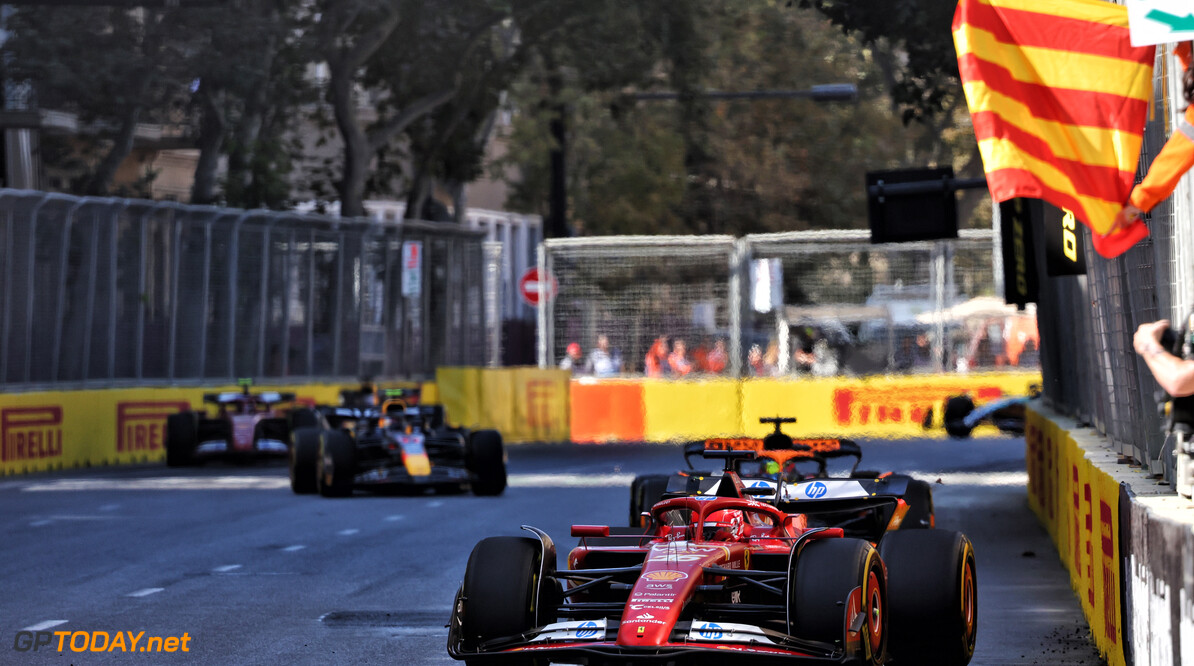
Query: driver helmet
x=724 y=525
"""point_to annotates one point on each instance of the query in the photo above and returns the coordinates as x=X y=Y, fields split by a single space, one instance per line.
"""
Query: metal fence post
x=493 y=253
x=544 y=326
x=740 y=261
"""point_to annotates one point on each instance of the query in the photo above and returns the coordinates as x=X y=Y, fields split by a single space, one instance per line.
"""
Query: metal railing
x=815 y=302
x=1089 y=367
x=119 y=290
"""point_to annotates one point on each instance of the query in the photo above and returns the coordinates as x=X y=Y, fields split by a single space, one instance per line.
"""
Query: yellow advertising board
x=875 y=407
x=1079 y=505
x=47 y=430
x=676 y=411
x=524 y=404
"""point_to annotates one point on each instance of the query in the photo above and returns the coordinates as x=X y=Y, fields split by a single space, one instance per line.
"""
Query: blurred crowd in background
x=827 y=349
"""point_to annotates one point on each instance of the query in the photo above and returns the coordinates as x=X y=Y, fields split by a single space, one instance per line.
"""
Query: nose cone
x=670 y=574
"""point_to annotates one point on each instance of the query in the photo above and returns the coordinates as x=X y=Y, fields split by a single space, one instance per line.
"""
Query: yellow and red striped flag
x=1059 y=99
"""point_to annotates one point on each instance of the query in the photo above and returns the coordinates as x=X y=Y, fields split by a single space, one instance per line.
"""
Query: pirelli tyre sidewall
x=833 y=580
x=933 y=596
x=498 y=595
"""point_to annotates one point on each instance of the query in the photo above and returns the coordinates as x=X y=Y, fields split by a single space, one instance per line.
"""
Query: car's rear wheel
x=645 y=492
x=958 y=408
x=500 y=583
x=304 y=452
x=181 y=438
x=934 y=596
x=835 y=581
x=336 y=464
x=487 y=462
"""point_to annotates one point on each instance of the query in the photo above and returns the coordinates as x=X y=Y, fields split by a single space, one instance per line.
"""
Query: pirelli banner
x=525 y=404
x=62 y=429
x=655 y=410
x=1080 y=505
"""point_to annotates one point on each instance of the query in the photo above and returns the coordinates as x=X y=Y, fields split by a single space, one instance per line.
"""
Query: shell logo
x=665 y=575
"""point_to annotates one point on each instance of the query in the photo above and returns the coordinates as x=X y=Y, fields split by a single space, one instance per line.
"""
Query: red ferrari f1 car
x=721 y=575
x=245 y=424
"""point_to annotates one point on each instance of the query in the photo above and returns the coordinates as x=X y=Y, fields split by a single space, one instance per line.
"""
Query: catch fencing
x=822 y=303
x=1090 y=369
x=114 y=291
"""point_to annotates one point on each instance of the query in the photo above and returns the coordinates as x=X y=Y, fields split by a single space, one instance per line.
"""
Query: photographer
x=1175 y=375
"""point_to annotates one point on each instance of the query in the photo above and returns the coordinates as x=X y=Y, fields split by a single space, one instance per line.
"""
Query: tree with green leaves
x=114 y=67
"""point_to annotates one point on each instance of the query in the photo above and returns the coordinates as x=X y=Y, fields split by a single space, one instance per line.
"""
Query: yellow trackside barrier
x=48 y=430
x=878 y=407
x=681 y=410
x=459 y=391
x=1079 y=505
x=524 y=404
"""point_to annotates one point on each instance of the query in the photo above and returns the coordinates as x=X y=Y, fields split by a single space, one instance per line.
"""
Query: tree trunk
x=211 y=141
x=356 y=145
x=100 y=182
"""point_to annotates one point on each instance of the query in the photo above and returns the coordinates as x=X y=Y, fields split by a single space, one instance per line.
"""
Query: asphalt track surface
x=253 y=574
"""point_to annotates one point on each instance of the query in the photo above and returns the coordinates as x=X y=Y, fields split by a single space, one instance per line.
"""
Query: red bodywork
x=679 y=566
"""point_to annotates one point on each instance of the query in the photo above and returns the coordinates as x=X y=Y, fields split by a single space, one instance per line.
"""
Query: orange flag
x=1059 y=99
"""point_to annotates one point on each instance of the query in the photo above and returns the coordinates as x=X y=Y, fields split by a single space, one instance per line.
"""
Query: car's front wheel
x=835 y=581
x=487 y=462
x=934 y=596
x=181 y=438
x=304 y=452
x=500 y=584
x=336 y=464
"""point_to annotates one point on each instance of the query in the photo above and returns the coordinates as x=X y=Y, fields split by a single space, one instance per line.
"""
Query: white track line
x=569 y=480
x=146 y=592
x=348 y=532
x=293 y=549
x=42 y=626
x=226 y=568
x=395 y=517
x=165 y=483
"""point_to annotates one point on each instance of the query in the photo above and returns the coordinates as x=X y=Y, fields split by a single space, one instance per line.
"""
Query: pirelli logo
x=141 y=426
x=30 y=433
x=898 y=404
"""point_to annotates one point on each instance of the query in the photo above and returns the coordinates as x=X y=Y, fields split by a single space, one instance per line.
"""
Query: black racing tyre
x=956 y=409
x=650 y=491
x=933 y=593
x=487 y=462
x=636 y=505
x=181 y=438
x=304 y=452
x=919 y=496
x=821 y=605
x=499 y=589
x=336 y=464
x=304 y=417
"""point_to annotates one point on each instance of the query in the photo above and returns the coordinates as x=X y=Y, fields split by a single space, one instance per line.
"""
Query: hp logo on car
x=587 y=630
x=710 y=631
x=816 y=490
